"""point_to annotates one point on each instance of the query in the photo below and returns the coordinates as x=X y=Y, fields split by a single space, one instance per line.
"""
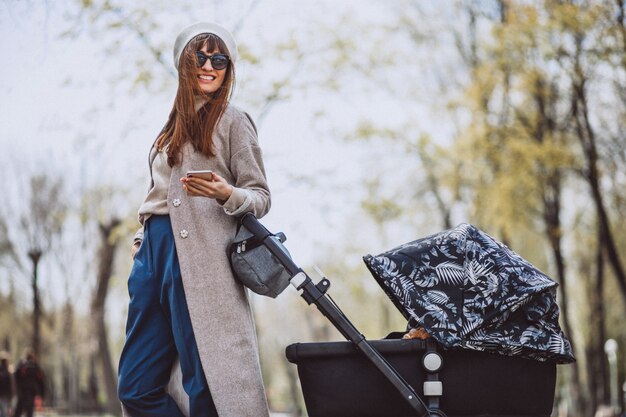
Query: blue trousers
x=158 y=329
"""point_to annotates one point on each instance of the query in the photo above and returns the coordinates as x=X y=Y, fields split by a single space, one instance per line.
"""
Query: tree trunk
x=587 y=138
x=552 y=219
x=92 y=386
x=434 y=187
x=35 y=256
x=596 y=359
x=105 y=267
x=70 y=373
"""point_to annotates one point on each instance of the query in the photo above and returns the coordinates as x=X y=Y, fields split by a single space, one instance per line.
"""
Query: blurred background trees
x=378 y=127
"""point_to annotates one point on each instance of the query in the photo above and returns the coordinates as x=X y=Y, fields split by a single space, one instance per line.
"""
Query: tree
x=40 y=224
x=109 y=238
x=529 y=128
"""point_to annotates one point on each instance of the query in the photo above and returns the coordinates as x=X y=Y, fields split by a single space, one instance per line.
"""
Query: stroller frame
x=316 y=294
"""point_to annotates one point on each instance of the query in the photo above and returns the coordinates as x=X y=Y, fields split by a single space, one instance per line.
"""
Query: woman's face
x=210 y=79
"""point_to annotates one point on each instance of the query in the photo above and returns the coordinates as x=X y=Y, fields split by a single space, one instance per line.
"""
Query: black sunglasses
x=218 y=61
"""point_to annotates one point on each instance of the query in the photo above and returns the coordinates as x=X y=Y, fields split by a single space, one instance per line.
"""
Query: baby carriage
x=492 y=321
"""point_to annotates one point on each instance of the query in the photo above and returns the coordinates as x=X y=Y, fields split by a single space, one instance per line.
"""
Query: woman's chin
x=207 y=90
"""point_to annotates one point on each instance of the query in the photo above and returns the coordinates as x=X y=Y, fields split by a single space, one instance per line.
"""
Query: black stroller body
x=338 y=381
x=493 y=321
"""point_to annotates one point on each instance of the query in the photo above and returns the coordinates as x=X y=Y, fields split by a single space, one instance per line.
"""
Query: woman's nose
x=207 y=65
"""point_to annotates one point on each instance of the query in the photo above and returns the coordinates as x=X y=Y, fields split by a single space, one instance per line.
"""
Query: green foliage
x=519 y=165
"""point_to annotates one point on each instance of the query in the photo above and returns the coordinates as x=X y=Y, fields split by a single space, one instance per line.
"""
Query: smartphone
x=206 y=174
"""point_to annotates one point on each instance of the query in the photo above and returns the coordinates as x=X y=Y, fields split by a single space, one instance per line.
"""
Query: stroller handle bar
x=316 y=294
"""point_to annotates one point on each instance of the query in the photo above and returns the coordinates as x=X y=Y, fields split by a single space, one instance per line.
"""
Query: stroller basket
x=337 y=381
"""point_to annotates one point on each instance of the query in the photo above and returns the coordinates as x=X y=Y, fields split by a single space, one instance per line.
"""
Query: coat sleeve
x=138 y=237
x=250 y=190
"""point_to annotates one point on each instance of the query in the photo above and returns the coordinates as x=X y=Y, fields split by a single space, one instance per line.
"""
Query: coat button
x=176 y=202
x=184 y=233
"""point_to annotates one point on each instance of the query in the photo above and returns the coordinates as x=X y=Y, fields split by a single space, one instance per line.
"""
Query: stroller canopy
x=468 y=290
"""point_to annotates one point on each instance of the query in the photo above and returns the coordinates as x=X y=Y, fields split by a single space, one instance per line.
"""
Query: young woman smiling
x=184 y=301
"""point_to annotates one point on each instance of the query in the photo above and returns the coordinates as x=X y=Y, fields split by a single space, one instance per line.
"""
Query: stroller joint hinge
x=432 y=362
x=323 y=285
x=310 y=292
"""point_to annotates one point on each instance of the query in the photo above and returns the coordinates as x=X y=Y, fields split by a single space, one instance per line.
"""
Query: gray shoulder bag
x=254 y=265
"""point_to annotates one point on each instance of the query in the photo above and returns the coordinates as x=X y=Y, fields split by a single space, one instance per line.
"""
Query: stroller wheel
x=437 y=413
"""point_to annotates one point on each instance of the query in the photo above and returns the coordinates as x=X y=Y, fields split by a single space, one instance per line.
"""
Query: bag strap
x=253 y=241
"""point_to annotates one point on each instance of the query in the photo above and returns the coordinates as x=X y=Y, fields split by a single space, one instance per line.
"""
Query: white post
x=610 y=348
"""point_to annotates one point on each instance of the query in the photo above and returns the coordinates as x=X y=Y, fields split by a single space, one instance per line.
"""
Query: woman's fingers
x=218 y=178
x=218 y=188
x=134 y=249
x=223 y=189
x=200 y=187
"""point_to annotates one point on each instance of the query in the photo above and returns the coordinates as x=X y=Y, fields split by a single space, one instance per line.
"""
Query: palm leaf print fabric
x=470 y=291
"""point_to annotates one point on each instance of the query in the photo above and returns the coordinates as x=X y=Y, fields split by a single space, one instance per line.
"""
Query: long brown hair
x=184 y=123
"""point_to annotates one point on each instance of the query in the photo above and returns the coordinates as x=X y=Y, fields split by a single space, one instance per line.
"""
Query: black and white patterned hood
x=470 y=291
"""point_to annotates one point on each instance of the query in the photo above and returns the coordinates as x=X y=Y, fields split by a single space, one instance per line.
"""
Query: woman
x=185 y=301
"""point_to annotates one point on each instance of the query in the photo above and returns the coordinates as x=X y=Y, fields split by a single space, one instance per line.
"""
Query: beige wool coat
x=218 y=305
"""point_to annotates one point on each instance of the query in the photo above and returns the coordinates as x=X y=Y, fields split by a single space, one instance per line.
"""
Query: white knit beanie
x=196 y=29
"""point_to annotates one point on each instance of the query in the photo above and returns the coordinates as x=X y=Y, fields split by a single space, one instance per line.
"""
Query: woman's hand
x=135 y=248
x=216 y=188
